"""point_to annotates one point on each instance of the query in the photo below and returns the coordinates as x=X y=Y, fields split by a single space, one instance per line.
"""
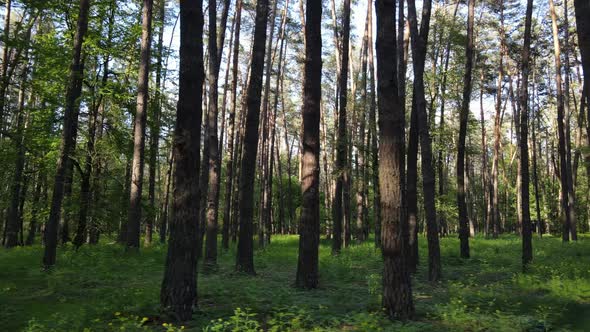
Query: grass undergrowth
x=102 y=288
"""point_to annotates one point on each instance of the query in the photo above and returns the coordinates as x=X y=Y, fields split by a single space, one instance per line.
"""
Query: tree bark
x=309 y=223
x=342 y=190
x=419 y=43
x=527 y=246
x=3 y=74
x=582 y=9
x=463 y=122
x=231 y=127
x=245 y=253
x=179 y=287
x=266 y=179
x=155 y=128
x=137 y=166
x=562 y=149
x=497 y=132
x=373 y=131
x=397 y=290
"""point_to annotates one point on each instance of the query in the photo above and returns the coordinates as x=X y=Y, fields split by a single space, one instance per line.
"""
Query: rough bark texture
x=397 y=290
x=342 y=190
x=245 y=253
x=412 y=191
x=137 y=165
x=562 y=149
x=68 y=139
x=309 y=222
x=373 y=132
x=463 y=121
x=582 y=8
x=179 y=287
x=231 y=128
x=213 y=143
x=4 y=74
x=527 y=246
x=155 y=127
x=494 y=199
x=419 y=42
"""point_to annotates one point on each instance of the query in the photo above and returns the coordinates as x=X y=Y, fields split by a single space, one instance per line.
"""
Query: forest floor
x=102 y=288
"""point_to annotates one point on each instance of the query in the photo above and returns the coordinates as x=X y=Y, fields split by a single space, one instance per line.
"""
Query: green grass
x=102 y=285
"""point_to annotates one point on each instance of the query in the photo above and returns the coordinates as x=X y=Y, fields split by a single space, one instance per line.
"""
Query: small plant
x=241 y=321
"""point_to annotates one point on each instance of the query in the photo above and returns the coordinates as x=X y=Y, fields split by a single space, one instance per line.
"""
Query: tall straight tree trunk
x=527 y=246
x=273 y=123
x=137 y=166
x=485 y=174
x=571 y=193
x=213 y=142
x=12 y=221
x=562 y=149
x=373 y=131
x=540 y=224
x=309 y=223
x=231 y=127
x=342 y=190
x=463 y=121
x=265 y=184
x=4 y=74
x=68 y=140
x=245 y=253
x=412 y=190
x=397 y=289
x=419 y=43
x=179 y=287
x=155 y=127
x=497 y=132
x=582 y=9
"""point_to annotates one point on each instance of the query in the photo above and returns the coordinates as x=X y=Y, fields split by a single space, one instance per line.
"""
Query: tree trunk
x=213 y=142
x=419 y=43
x=497 y=131
x=309 y=223
x=179 y=287
x=582 y=9
x=341 y=192
x=155 y=128
x=463 y=122
x=231 y=127
x=265 y=179
x=68 y=140
x=3 y=74
x=412 y=191
x=137 y=166
x=397 y=290
x=527 y=246
x=373 y=131
x=562 y=149
x=571 y=194
x=245 y=254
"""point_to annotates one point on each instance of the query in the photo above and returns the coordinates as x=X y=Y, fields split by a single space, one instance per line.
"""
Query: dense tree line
x=291 y=118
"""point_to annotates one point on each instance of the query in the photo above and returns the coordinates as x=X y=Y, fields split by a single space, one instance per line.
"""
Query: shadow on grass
x=487 y=292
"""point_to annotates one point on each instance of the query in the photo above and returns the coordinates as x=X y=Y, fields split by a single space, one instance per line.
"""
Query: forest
x=295 y=165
